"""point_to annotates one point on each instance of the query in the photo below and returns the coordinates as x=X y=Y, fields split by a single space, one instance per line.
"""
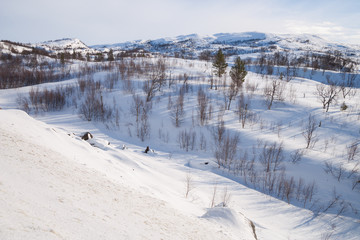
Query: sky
x=114 y=21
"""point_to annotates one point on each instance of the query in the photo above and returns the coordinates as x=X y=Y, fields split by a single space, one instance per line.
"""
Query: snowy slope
x=151 y=188
x=65 y=44
x=48 y=195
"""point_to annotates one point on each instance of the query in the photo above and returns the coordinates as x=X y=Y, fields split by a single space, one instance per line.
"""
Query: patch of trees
x=330 y=60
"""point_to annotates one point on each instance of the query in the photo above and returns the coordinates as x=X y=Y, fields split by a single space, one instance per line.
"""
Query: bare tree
x=177 y=112
x=348 y=84
x=226 y=196
x=145 y=125
x=327 y=94
x=219 y=131
x=187 y=139
x=272 y=157
x=274 y=91
x=289 y=186
x=213 y=198
x=309 y=131
x=189 y=184
x=229 y=94
x=226 y=150
x=202 y=106
x=136 y=108
x=296 y=156
x=156 y=79
x=353 y=150
x=243 y=110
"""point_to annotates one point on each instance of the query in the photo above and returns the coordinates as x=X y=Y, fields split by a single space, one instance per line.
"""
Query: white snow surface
x=65 y=44
x=51 y=190
x=53 y=185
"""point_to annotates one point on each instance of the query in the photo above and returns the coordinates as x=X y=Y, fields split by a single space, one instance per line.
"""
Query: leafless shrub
x=203 y=142
x=128 y=86
x=243 y=110
x=110 y=80
x=347 y=86
x=274 y=91
x=296 y=156
x=202 y=106
x=187 y=139
x=308 y=192
x=156 y=74
x=332 y=203
x=309 y=131
x=136 y=108
x=23 y=103
x=354 y=170
x=329 y=168
x=292 y=94
x=218 y=131
x=327 y=94
x=289 y=187
x=48 y=100
x=93 y=107
x=177 y=112
x=226 y=196
x=145 y=125
x=213 y=198
x=352 y=151
x=272 y=157
x=189 y=184
x=226 y=150
x=336 y=171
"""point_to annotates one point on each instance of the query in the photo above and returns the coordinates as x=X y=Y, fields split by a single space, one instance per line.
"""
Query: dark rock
x=87 y=136
x=147 y=149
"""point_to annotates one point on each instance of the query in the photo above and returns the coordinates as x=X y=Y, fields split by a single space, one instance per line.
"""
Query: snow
x=244 y=43
x=55 y=185
x=230 y=219
x=45 y=195
x=238 y=37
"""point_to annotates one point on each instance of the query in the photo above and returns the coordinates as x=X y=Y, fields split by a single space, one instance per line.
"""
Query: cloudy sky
x=112 y=21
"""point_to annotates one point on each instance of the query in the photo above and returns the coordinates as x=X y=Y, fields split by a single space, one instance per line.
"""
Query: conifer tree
x=238 y=72
x=219 y=64
x=111 y=55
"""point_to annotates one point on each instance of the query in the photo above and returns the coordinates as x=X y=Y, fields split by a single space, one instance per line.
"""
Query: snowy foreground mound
x=56 y=186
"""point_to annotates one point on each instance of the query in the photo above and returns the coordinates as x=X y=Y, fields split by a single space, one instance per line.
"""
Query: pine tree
x=62 y=58
x=219 y=64
x=110 y=55
x=238 y=72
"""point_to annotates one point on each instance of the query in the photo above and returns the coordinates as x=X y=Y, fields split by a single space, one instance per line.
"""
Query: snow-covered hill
x=234 y=44
x=57 y=186
x=65 y=44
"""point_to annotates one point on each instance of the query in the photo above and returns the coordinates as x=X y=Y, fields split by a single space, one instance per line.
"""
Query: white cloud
x=326 y=29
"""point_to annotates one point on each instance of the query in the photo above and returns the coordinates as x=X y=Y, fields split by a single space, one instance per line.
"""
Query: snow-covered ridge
x=190 y=46
x=65 y=44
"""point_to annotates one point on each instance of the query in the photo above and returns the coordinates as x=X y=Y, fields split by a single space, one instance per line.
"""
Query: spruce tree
x=219 y=64
x=238 y=72
x=110 y=55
